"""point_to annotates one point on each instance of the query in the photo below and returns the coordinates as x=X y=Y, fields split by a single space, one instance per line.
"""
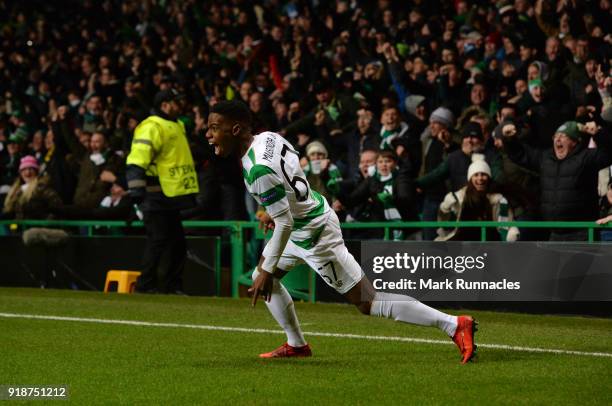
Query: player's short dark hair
x=234 y=110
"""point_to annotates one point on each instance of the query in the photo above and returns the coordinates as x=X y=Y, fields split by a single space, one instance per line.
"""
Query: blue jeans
x=606 y=235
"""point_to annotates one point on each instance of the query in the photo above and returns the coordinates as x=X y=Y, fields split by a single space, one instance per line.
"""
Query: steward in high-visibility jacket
x=161 y=174
x=160 y=167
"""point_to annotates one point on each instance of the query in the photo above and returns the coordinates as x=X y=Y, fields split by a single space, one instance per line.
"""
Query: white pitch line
x=310 y=333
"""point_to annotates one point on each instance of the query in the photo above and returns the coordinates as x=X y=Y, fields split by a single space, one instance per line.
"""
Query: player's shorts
x=329 y=257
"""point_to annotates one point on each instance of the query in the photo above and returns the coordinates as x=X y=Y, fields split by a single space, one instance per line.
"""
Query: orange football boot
x=464 y=337
x=285 y=351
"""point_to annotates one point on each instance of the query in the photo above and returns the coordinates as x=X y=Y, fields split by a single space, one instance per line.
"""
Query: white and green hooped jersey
x=274 y=177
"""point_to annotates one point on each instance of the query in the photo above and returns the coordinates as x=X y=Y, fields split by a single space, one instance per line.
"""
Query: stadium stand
x=355 y=76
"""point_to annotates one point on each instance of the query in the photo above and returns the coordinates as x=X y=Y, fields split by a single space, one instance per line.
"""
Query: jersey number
x=329 y=280
x=296 y=179
x=189 y=183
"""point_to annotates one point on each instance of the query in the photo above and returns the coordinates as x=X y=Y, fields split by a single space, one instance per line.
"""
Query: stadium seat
x=125 y=280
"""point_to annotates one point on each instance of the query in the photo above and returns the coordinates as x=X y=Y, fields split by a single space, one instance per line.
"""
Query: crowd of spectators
x=390 y=103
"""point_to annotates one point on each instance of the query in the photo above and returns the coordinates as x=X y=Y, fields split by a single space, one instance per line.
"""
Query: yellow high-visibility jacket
x=160 y=147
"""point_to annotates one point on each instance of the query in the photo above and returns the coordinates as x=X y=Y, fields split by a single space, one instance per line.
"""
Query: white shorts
x=329 y=258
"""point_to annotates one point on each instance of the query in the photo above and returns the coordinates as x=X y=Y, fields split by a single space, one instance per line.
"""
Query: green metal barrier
x=237 y=238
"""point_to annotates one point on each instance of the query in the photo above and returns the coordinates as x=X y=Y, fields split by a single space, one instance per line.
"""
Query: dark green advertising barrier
x=241 y=232
x=82 y=263
x=491 y=272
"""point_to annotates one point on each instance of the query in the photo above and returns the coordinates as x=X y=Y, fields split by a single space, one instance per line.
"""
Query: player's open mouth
x=216 y=147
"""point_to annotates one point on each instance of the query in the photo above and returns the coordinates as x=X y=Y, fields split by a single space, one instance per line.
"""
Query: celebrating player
x=307 y=231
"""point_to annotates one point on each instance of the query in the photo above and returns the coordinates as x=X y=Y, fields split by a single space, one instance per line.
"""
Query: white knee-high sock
x=409 y=310
x=282 y=309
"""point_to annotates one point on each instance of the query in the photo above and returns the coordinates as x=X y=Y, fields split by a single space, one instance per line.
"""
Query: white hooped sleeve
x=283 y=224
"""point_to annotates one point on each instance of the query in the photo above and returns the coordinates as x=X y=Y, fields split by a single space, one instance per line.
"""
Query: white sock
x=283 y=311
x=409 y=310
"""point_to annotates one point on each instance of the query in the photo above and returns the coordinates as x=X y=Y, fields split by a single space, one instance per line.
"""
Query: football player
x=306 y=230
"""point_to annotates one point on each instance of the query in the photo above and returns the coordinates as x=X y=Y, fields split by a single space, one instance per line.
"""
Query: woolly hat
x=473 y=129
x=376 y=63
x=412 y=102
x=542 y=69
x=316 y=146
x=166 y=96
x=498 y=131
x=474 y=35
x=19 y=136
x=478 y=165
x=505 y=9
x=443 y=116
x=570 y=128
x=28 y=162
x=535 y=83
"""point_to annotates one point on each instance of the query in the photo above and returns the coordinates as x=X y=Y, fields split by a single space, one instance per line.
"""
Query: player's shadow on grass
x=488 y=355
x=249 y=362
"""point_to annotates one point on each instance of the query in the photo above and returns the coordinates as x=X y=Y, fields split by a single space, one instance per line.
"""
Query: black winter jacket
x=568 y=187
x=455 y=168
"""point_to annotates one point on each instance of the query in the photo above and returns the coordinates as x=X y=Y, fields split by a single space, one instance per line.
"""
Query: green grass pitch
x=136 y=364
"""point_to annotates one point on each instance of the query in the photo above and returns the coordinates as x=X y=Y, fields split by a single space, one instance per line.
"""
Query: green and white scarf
x=386 y=198
x=333 y=182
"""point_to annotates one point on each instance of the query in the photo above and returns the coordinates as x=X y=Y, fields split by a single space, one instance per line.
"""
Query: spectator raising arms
x=355 y=75
x=568 y=173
